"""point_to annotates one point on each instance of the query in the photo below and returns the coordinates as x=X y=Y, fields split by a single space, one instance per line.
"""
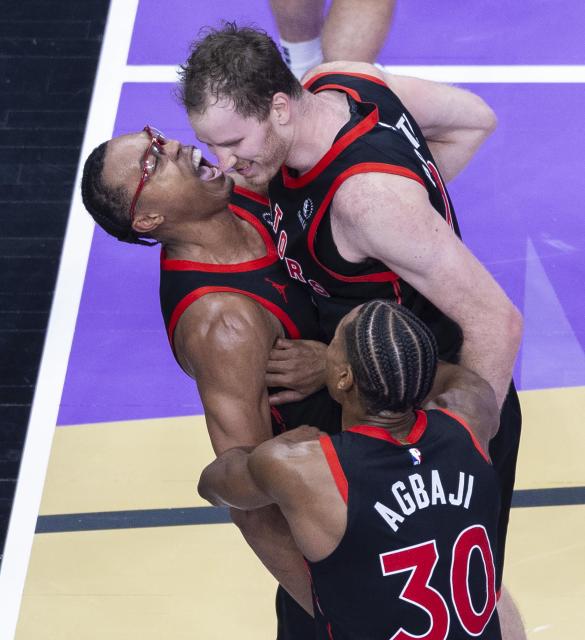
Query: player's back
x=418 y=551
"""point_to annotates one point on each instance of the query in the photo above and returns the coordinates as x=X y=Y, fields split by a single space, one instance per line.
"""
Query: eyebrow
x=224 y=143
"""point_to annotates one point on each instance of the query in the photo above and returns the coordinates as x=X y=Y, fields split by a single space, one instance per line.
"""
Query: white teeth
x=196 y=158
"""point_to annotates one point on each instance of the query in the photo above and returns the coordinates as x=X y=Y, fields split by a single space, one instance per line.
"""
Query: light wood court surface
x=201 y=581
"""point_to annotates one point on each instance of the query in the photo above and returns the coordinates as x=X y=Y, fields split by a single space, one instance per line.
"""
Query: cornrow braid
x=108 y=206
x=393 y=355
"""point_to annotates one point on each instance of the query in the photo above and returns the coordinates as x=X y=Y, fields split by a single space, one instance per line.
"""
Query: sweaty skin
x=222 y=340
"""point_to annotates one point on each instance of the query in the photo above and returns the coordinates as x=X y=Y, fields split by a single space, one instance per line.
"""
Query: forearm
x=269 y=536
x=228 y=482
x=490 y=346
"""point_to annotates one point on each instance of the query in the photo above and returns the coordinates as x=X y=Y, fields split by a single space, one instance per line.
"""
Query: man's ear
x=147 y=222
x=280 y=109
x=345 y=380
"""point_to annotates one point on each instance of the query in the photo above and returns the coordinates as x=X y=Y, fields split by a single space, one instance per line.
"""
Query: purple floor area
x=445 y=32
x=518 y=202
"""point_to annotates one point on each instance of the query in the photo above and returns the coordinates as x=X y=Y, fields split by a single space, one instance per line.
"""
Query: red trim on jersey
x=339 y=87
x=364 y=167
x=281 y=315
x=278 y=419
x=462 y=422
x=329 y=631
x=271 y=257
x=363 y=76
x=443 y=190
x=252 y=195
x=414 y=435
x=365 y=125
x=334 y=466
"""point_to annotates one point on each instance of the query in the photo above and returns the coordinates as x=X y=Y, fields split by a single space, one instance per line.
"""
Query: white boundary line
x=517 y=74
x=25 y=510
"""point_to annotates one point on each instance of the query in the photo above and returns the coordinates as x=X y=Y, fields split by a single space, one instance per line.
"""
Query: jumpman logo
x=279 y=287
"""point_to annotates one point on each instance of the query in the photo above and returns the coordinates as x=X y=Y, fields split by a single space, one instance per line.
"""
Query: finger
x=281 y=355
x=284 y=343
x=284 y=397
x=279 y=368
x=277 y=380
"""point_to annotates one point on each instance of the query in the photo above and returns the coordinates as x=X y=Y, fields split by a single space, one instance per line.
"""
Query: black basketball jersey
x=418 y=552
x=263 y=280
x=381 y=136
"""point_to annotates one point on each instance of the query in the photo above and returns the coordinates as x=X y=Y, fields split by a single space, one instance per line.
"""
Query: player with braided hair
x=396 y=515
x=392 y=355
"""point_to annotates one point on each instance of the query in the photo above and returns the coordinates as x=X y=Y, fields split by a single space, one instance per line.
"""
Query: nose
x=226 y=159
x=172 y=148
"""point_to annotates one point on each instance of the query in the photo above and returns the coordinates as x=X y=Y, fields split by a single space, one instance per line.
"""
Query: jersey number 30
x=421 y=560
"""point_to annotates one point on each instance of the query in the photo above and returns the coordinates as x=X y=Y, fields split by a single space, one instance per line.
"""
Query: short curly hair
x=108 y=206
x=240 y=64
x=393 y=355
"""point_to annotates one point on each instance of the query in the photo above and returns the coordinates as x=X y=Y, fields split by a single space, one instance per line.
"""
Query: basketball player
x=225 y=299
x=359 y=205
x=351 y=30
x=397 y=515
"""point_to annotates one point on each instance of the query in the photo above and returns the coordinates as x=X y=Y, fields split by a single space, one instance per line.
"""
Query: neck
x=318 y=121
x=398 y=425
x=222 y=238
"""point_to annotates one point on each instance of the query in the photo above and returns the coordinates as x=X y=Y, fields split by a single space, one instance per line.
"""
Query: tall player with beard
x=358 y=161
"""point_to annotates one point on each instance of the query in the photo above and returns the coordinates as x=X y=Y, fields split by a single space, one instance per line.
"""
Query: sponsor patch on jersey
x=267 y=217
x=304 y=214
x=416 y=456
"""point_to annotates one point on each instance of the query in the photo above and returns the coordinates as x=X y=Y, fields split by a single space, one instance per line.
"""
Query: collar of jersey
x=361 y=128
x=251 y=265
x=415 y=434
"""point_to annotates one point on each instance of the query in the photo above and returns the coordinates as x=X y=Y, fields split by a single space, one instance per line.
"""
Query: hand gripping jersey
x=417 y=557
x=381 y=136
x=264 y=281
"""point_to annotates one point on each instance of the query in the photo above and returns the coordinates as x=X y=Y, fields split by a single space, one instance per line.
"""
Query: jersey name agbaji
x=263 y=280
x=381 y=136
x=417 y=556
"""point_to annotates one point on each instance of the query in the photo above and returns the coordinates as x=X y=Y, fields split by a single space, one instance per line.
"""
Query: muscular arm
x=454 y=122
x=223 y=342
x=467 y=395
x=397 y=225
x=290 y=471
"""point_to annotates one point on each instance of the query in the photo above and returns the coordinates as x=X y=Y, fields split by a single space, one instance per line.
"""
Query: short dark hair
x=241 y=64
x=393 y=355
x=108 y=206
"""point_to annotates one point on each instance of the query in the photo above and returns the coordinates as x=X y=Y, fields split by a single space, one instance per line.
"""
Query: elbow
x=204 y=490
x=489 y=120
x=513 y=327
x=486 y=119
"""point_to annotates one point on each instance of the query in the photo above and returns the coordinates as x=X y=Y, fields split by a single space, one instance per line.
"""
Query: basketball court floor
x=108 y=538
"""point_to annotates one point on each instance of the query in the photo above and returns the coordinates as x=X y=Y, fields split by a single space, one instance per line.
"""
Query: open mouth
x=204 y=170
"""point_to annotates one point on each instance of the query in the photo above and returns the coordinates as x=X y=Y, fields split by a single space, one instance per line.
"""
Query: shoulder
x=341 y=66
x=469 y=398
x=285 y=465
x=223 y=323
x=374 y=190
